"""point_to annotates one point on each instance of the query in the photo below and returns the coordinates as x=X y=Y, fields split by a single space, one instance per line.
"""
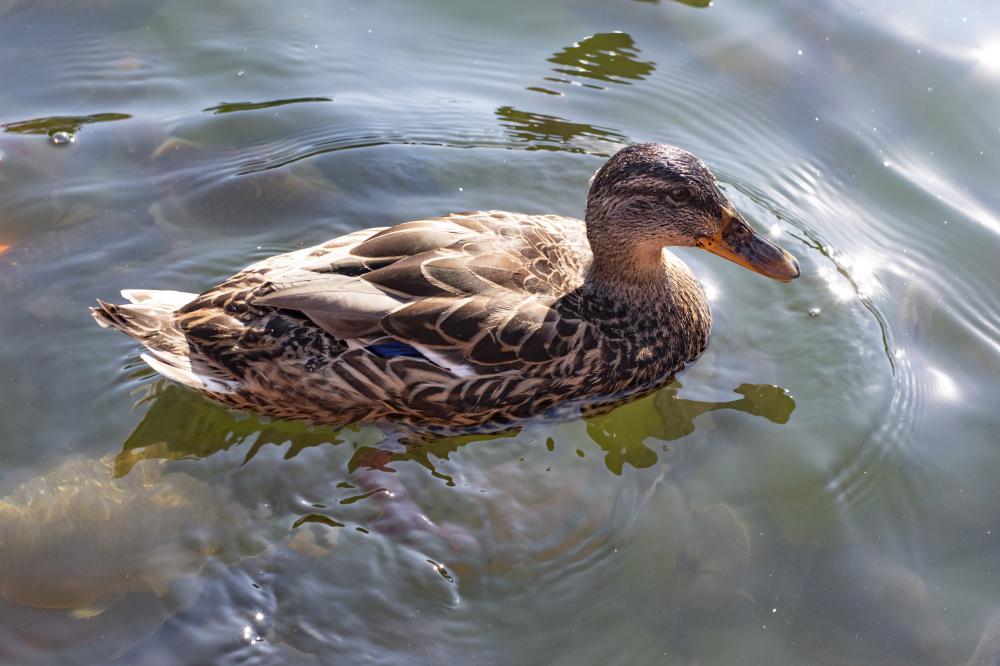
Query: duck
x=473 y=320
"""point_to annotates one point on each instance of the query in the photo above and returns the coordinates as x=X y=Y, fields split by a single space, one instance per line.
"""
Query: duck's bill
x=740 y=244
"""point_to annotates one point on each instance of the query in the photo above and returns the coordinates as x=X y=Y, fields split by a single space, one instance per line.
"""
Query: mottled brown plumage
x=469 y=320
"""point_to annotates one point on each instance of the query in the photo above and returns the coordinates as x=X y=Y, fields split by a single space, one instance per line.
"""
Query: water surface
x=819 y=488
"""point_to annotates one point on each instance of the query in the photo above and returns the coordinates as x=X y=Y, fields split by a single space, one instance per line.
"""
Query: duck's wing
x=472 y=292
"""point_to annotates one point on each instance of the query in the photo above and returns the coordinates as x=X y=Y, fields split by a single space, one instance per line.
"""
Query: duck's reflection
x=182 y=424
x=623 y=433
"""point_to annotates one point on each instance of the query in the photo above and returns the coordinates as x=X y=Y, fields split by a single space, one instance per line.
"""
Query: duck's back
x=386 y=322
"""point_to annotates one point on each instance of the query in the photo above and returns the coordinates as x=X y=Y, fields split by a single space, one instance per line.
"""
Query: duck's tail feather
x=148 y=318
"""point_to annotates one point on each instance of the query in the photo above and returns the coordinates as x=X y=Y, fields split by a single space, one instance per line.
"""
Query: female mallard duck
x=467 y=320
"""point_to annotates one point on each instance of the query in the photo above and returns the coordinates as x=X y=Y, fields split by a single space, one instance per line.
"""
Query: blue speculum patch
x=392 y=349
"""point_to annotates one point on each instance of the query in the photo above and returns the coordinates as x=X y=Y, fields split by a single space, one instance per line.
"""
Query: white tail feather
x=164 y=297
x=178 y=368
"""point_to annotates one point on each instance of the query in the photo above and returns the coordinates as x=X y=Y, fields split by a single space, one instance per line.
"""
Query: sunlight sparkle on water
x=944 y=386
x=861 y=269
x=711 y=289
x=837 y=284
x=988 y=56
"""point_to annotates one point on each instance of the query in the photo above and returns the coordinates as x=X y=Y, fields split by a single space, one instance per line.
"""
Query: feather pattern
x=476 y=319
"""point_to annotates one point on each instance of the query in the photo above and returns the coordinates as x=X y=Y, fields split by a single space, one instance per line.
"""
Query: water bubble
x=61 y=138
x=814 y=312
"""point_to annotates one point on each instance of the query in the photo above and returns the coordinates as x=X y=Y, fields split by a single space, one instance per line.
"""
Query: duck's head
x=651 y=195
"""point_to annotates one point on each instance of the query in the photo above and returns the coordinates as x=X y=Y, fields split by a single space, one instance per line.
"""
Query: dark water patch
x=318 y=519
x=610 y=57
x=544 y=91
x=545 y=132
x=689 y=3
x=52 y=124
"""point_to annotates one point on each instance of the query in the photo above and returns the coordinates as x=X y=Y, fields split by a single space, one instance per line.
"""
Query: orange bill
x=740 y=244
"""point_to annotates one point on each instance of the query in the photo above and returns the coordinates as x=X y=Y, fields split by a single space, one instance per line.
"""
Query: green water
x=820 y=487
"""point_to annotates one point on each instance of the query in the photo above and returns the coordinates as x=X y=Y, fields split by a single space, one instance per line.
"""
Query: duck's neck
x=618 y=265
x=644 y=280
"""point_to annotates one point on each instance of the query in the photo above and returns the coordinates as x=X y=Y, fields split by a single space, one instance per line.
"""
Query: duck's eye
x=679 y=194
